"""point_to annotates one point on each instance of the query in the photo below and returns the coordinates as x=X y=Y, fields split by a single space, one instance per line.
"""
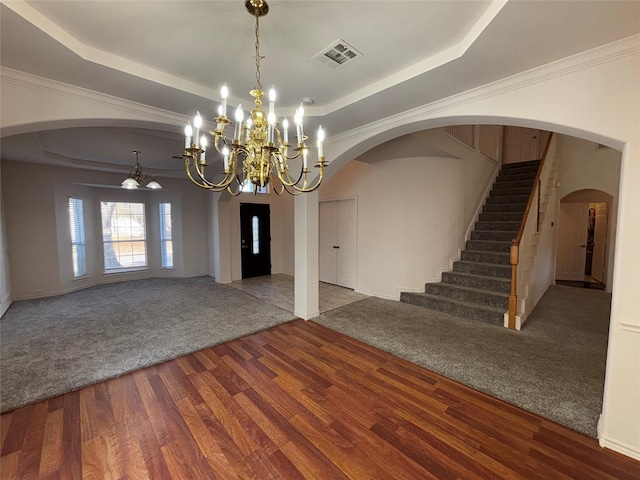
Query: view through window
x=123 y=235
x=166 y=238
x=76 y=227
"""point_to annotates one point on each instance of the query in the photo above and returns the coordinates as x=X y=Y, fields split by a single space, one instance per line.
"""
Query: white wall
x=412 y=213
x=36 y=199
x=585 y=166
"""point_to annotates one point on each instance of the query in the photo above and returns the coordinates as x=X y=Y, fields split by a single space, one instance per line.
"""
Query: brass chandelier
x=259 y=149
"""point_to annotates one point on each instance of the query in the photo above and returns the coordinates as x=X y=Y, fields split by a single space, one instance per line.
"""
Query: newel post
x=513 y=296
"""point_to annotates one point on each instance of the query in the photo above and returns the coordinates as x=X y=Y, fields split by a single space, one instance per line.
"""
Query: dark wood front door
x=255 y=239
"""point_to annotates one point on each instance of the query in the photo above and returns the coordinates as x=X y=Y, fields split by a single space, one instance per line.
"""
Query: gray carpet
x=554 y=367
x=58 y=344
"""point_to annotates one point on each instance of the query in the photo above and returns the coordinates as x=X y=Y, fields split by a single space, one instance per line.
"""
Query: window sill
x=126 y=270
x=81 y=277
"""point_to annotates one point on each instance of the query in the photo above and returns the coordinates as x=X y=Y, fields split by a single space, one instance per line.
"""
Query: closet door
x=337 y=243
x=327 y=255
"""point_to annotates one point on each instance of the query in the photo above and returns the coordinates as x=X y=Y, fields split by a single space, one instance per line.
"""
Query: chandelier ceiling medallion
x=136 y=177
x=259 y=149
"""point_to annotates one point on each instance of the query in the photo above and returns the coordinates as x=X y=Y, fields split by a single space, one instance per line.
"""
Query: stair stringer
x=528 y=292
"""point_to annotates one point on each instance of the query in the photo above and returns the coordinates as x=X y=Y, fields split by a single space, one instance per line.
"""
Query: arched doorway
x=583 y=238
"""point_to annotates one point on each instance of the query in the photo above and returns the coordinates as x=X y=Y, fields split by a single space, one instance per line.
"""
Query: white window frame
x=127 y=226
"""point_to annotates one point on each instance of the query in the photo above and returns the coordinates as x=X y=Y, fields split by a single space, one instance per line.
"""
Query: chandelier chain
x=258 y=56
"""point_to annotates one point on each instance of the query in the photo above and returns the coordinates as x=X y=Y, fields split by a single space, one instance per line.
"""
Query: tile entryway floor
x=278 y=290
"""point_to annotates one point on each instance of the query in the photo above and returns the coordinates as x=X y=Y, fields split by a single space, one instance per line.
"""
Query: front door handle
x=336 y=246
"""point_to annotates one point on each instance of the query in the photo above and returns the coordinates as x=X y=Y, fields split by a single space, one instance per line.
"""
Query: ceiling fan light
x=154 y=184
x=130 y=183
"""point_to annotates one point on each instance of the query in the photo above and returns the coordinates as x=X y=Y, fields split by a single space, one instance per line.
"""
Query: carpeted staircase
x=478 y=287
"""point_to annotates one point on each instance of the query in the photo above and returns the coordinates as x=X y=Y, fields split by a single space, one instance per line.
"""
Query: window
x=249 y=187
x=166 y=239
x=123 y=235
x=78 y=248
x=255 y=233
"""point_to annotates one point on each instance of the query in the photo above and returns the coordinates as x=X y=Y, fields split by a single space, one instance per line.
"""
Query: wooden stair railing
x=515 y=243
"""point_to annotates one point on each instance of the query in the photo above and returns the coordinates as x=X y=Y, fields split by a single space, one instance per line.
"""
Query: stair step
x=468 y=295
x=502 y=192
x=502 y=226
x=504 y=207
x=513 y=184
x=495 y=284
x=488 y=246
x=515 y=177
x=500 y=216
x=481 y=268
x=495 y=258
x=521 y=166
x=460 y=309
x=508 y=199
x=495 y=235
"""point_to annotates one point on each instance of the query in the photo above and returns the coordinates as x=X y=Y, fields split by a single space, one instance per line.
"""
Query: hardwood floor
x=295 y=401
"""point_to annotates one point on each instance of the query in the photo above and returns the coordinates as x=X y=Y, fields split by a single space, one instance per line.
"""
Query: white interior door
x=346 y=242
x=327 y=241
x=572 y=241
x=599 y=242
x=337 y=254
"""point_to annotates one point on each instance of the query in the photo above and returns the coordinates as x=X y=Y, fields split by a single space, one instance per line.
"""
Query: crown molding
x=9 y=76
x=626 y=47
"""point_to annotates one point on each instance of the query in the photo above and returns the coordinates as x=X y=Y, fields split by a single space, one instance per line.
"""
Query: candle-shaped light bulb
x=301 y=110
x=224 y=94
x=188 y=133
x=225 y=153
x=298 y=121
x=319 y=142
x=285 y=129
x=239 y=117
x=272 y=100
x=197 y=123
x=239 y=114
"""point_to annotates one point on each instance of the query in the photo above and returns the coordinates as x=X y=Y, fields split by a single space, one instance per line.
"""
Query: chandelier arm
x=193 y=180
x=275 y=188
x=304 y=188
x=203 y=183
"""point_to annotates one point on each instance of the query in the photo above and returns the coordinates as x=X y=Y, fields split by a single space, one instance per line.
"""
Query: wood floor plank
x=295 y=401
x=51 y=444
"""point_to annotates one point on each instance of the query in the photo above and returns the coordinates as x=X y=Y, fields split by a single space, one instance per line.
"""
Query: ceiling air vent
x=338 y=54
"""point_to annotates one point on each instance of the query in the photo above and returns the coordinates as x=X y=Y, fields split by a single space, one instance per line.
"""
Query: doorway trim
x=596 y=196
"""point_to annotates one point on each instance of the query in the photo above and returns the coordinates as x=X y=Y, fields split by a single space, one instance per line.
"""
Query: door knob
x=582 y=246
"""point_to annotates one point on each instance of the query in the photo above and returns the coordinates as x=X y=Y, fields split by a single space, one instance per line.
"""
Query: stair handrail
x=515 y=243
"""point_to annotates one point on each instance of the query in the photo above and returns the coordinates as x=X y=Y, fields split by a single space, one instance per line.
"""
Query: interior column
x=220 y=237
x=306 y=294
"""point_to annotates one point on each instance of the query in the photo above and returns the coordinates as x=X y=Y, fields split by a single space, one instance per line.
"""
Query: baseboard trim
x=620 y=447
x=97 y=284
x=307 y=317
